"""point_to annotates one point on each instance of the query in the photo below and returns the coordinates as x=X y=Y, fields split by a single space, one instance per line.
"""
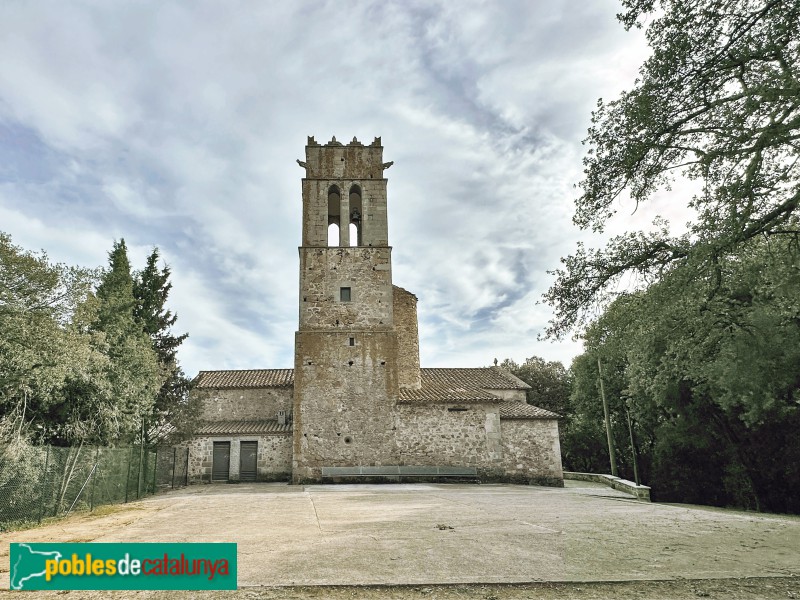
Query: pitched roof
x=252 y=378
x=487 y=378
x=266 y=426
x=431 y=393
x=461 y=385
x=520 y=410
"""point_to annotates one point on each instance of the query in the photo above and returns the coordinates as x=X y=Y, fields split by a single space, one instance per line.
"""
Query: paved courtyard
x=429 y=533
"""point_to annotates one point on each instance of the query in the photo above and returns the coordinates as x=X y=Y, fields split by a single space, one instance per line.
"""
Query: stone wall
x=509 y=395
x=366 y=271
x=520 y=451
x=641 y=492
x=405 y=324
x=274 y=460
x=343 y=400
x=451 y=435
x=531 y=451
x=374 y=230
x=244 y=404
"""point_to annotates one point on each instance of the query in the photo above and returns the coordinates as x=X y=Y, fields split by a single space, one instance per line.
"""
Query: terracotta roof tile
x=267 y=426
x=432 y=393
x=488 y=378
x=253 y=378
x=463 y=384
x=520 y=410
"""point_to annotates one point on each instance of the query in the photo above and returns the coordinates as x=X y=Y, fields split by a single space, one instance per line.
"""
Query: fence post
x=44 y=482
x=128 y=476
x=155 y=471
x=139 y=476
x=186 y=471
x=174 y=464
x=94 y=478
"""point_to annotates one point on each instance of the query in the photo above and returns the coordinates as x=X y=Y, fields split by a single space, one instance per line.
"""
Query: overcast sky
x=177 y=125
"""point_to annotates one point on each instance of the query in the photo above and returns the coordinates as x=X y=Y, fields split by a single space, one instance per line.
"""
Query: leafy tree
x=714 y=381
x=37 y=351
x=80 y=367
x=549 y=381
x=717 y=102
x=133 y=370
x=151 y=288
x=706 y=338
x=116 y=309
x=584 y=437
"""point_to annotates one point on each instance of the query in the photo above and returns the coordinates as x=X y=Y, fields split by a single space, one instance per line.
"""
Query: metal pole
x=141 y=462
x=74 y=502
x=44 y=482
x=128 y=476
x=155 y=469
x=139 y=475
x=91 y=495
x=174 y=464
x=633 y=445
x=611 y=454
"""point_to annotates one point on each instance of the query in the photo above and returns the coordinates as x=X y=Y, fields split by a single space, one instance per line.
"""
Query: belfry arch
x=356 y=216
x=334 y=216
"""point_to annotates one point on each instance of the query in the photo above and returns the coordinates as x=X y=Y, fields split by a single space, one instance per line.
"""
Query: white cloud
x=177 y=125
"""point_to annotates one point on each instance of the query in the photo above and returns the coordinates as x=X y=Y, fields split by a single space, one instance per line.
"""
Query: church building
x=357 y=401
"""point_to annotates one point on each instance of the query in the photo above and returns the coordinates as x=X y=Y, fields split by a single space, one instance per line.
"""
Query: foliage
x=132 y=371
x=77 y=366
x=39 y=352
x=151 y=288
x=549 y=381
x=714 y=380
x=717 y=102
x=704 y=338
x=583 y=436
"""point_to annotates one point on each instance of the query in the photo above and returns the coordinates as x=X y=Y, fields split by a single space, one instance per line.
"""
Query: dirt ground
x=772 y=588
x=451 y=542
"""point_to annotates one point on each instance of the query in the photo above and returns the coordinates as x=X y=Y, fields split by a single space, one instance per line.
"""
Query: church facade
x=357 y=396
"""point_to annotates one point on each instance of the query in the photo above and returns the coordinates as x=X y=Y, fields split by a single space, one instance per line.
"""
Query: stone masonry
x=357 y=395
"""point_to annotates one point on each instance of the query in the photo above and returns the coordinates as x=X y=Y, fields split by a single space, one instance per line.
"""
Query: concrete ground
x=446 y=534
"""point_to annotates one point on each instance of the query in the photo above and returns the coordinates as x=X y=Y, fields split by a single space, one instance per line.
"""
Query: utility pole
x=141 y=460
x=611 y=455
x=626 y=400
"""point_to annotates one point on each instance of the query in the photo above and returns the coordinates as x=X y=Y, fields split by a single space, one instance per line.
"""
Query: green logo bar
x=123 y=566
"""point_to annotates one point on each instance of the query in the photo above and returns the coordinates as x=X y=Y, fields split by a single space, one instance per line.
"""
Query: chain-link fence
x=37 y=482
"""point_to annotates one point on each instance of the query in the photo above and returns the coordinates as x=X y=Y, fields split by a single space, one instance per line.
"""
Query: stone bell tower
x=346 y=380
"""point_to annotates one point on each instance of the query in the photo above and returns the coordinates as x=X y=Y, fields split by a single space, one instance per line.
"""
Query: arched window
x=334 y=215
x=356 y=216
x=333 y=234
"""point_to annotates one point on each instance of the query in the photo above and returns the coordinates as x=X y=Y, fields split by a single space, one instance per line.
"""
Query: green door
x=222 y=461
x=248 y=466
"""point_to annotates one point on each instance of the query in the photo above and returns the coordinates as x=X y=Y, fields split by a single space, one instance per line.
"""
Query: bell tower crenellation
x=344 y=186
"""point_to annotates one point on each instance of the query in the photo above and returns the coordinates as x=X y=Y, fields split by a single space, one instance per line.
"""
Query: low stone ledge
x=641 y=492
x=399 y=471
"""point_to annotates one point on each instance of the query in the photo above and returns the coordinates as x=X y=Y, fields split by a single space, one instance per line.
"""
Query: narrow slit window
x=352 y=341
x=344 y=294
